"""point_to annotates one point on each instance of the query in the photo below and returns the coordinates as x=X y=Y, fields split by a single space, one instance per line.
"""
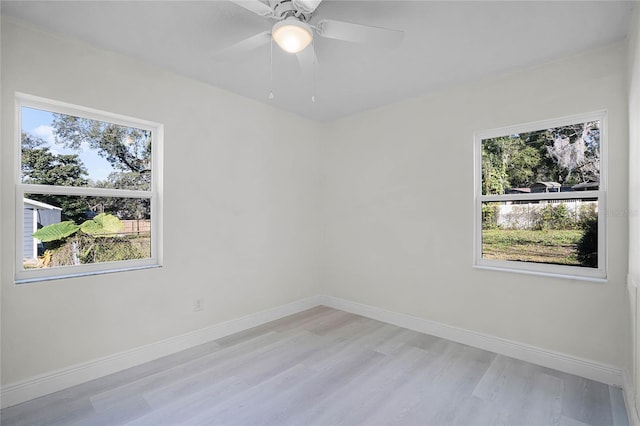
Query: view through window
x=87 y=193
x=540 y=197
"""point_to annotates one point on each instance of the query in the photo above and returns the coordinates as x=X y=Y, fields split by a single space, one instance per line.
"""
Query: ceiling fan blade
x=306 y=6
x=245 y=45
x=307 y=58
x=357 y=33
x=254 y=6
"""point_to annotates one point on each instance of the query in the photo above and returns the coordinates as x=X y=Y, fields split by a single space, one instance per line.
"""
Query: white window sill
x=84 y=274
x=543 y=274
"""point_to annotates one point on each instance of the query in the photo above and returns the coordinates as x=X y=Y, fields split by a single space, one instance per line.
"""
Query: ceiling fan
x=294 y=33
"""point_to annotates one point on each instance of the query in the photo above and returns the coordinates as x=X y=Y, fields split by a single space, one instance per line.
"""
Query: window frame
x=598 y=274
x=22 y=275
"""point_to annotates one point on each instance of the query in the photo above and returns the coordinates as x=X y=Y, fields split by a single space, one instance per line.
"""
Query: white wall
x=245 y=166
x=376 y=208
x=634 y=187
x=398 y=199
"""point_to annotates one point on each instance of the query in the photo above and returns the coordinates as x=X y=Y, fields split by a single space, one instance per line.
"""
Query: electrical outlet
x=198 y=305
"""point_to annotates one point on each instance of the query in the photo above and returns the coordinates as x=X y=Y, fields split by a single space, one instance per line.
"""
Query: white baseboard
x=535 y=355
x=54 y=381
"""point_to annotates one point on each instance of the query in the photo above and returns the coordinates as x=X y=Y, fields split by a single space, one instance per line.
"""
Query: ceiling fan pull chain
x=271 y=95
x=313 y=75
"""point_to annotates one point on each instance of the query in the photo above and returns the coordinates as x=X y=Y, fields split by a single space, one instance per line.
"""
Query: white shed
x=36 y=215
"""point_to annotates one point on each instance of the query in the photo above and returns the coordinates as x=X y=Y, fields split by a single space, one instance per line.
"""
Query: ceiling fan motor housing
x=283 y=9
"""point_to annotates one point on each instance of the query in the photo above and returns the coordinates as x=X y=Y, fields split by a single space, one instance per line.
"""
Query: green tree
x=508 y=162
x=522 y=165
x=41 y=166
x=575 y=150
x=127 y=149
x=494 y=174
x=125 y=208
x=567 y=154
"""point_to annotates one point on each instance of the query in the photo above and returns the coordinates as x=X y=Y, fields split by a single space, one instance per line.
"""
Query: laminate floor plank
x=433 y=394
x=223 y=360
x=328 y=367
x=354 y=404
x=322 y=386
x=314 y=386
x=75 y=396
x=422 y=341
x=568 y=421
x=336 y=349
x=273 y=363
x=240 y=364
x=396 y=341
x=177 y=410
x=517 y=391
x=283 y=324
x=442 y=396
x=544 y=404
x=350 y=330
x=127 y=410
x=586 y=400
x=294 y=321
x=476 y=411
x=237 y=405
x=109 y=399
x=64 y=411
x=331 y=323
x=504 y=378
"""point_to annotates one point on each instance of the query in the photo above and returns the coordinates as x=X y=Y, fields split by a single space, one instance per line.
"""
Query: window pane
x=559 y=159
x=60 y=149
x=74 y=230
x=563 y=232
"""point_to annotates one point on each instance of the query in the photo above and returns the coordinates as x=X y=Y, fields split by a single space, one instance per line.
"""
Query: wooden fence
x=136 y=226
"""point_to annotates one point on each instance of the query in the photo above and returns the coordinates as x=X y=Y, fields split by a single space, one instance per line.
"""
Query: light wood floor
x=327 y=367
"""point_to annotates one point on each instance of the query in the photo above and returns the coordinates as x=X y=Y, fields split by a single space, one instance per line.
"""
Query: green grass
x=548 y=246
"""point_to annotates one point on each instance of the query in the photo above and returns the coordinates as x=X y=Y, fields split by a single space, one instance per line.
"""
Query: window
x=540 y=197
x=87 y=191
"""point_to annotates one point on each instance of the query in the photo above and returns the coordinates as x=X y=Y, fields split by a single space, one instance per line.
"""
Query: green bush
x=588 y=244
x=586 y=214
x=96 y=240
x=490 y=213
x=554 y=216
x=91 y=249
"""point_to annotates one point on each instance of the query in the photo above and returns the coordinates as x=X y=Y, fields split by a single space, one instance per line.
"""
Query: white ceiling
x=446 y=43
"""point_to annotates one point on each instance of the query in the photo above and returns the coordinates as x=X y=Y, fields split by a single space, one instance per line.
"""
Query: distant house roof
x=39 y=205
x=542 y=186
x=586 y=186
x=547 y=184
x=518 y=190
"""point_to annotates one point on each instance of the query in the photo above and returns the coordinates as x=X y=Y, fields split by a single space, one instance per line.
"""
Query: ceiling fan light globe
x=291 y=35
